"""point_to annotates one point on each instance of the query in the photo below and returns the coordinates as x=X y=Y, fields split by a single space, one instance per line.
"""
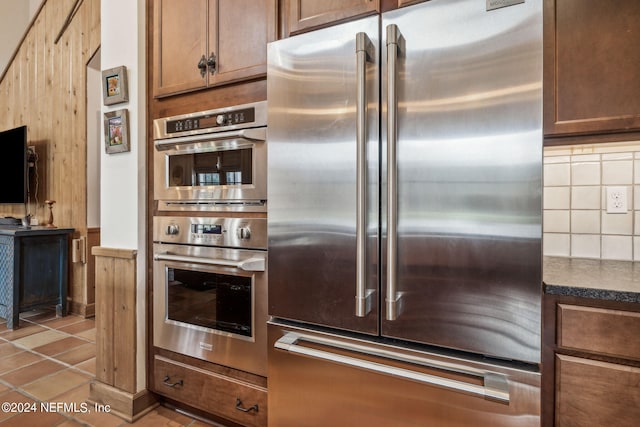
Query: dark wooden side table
x=34 y=270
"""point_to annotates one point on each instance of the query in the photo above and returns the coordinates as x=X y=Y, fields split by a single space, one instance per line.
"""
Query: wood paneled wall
x=44 y=88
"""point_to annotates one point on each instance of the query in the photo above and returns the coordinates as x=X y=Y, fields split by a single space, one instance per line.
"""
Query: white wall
x=94 y=141
x=34 y=5
x=14 y=19
x=123 y=175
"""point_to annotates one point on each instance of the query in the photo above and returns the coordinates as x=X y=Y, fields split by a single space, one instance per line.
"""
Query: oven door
x=210 y=303
x=218 y=171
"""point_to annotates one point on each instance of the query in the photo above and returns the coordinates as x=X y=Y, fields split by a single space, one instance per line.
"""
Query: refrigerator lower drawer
x=322 y=379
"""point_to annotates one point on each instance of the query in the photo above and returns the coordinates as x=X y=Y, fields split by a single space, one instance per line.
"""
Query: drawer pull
x=168 y=384
x=239 y=406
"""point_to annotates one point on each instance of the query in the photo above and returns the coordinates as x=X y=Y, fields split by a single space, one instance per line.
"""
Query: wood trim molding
x=128 y=406
x=84 y=310
x=114 y=252
x=116 y=338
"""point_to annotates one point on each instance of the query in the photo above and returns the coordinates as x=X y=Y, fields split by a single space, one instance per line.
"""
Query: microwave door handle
x=395 y=46
x=365 y=52
x=495 y=385
x=252 y=135
x=250 y=264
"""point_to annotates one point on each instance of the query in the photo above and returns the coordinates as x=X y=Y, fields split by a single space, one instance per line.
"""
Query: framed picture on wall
x=116 y=131
x=114 y=85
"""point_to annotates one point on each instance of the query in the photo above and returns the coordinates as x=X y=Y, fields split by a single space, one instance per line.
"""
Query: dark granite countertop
x=592 y=278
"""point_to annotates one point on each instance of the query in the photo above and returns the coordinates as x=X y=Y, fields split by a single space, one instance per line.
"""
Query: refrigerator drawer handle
x=496 y=386
x=252 y=135
x=365 y=52
x=250 y=264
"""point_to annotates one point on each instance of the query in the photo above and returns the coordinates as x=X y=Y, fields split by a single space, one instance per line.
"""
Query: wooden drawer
x=593 y=393
x=607 y=332
x=211 y=392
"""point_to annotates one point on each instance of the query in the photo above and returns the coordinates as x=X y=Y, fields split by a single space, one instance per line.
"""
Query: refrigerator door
x=462 y=172
x=323 y=151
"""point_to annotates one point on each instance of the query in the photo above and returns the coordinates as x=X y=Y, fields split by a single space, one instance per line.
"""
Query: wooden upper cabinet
x=592 y=67
x=204 y=43
x=309 y=14
x=180 y=32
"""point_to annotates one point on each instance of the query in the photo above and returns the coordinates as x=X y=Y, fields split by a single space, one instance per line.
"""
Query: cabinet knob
x=211 y=63
x=202 y=66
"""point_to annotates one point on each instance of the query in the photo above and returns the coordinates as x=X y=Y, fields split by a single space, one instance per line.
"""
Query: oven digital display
x=206 y=229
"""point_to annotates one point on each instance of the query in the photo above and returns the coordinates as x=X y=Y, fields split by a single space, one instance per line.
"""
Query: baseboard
x=84 y=310
x=127 y=406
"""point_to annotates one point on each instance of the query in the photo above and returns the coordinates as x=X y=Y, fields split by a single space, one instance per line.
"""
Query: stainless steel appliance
x=212 y=160
x=210 y=289
x=405 y=182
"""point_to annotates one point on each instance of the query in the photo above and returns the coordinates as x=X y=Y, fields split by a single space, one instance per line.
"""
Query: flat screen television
x=13 y=165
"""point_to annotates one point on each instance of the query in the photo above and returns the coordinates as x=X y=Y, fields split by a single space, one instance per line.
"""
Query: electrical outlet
x=616 y=199
x=31 y=155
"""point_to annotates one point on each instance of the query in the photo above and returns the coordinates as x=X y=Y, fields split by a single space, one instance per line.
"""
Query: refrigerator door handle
x=494 y=385
x=365 y=52
x=395 y=46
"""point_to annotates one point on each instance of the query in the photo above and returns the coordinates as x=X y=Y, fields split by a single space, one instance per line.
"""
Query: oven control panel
x=252 y=115
x=243 y=233
x=212 y=120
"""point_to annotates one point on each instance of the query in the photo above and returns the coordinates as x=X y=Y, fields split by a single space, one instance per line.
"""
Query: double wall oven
x=209 y=256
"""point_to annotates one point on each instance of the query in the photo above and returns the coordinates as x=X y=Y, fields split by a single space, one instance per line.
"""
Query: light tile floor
x=50 y=361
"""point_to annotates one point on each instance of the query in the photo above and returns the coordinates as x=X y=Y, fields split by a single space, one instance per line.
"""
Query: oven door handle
x=253 y=135
x=249 y=264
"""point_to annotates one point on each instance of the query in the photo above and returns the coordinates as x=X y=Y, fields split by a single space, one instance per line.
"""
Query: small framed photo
x=114 y=85
x=116 y=131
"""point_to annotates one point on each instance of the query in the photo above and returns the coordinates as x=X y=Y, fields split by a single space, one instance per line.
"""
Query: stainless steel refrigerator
x=404 y=188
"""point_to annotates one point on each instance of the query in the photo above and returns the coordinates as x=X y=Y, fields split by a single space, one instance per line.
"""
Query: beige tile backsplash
x=575 y=219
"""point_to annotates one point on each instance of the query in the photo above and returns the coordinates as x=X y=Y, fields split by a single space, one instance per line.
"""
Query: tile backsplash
x=575 y=219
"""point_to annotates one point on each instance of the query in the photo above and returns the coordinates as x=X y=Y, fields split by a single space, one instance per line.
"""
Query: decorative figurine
x=50 y=222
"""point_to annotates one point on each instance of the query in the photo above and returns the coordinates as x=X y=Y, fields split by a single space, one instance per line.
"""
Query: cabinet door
x=591 y=82
x=180 y=40
x=593 y=393
x=239 y=31
x=308 y=14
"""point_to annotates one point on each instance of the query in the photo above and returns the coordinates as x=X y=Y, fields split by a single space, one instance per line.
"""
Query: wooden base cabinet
x=591 y=362
x=230 y=398
x=595 y=393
